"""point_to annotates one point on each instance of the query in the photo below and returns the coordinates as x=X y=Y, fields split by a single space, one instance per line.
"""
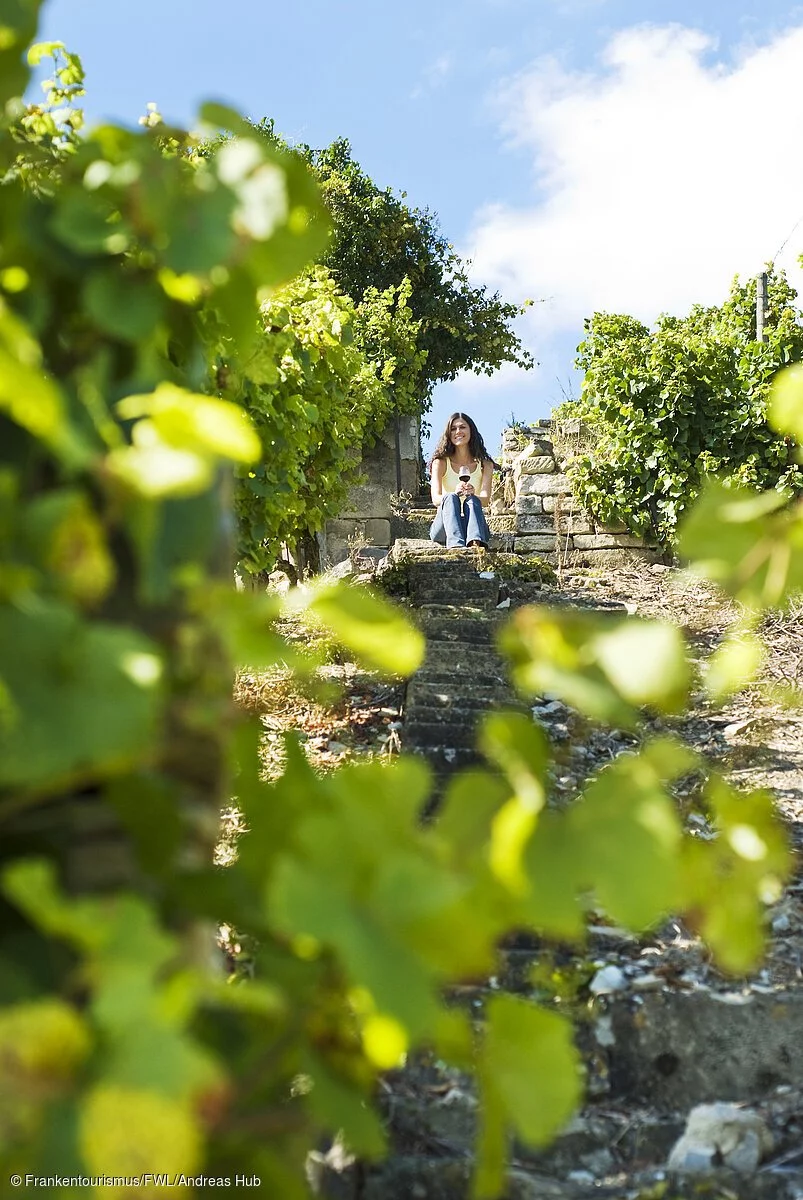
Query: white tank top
x=451 y=481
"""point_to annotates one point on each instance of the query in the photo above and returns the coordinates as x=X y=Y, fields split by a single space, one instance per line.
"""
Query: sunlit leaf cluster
x=671 y=406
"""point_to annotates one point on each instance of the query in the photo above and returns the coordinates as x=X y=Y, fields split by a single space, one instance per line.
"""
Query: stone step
x=453 y=594
x=445 y=661
x=458 y=582
x=446 y=760
x=425 y=735
x=459 y=629
x=462 y=709
x=422 y=692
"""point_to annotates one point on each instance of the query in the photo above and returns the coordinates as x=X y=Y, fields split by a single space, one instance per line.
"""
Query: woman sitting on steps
x=461 y=470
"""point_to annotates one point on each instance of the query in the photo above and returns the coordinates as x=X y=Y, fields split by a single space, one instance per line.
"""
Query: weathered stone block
x=573 y=522
x=606 y=541
x=541 y=464
x=372 y=530
x=505 y=523
x=337 y=550
x=611 y=560
x=370 y=499
x=535 y=446
x=543 y=485
x=565 y=503
x=377 y=531
x=535 y=523
x=529 y=504
x=534 y=543
x=679 y=1049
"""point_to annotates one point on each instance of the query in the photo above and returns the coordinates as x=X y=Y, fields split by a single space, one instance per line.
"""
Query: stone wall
x=548 y=520
x=367 y=513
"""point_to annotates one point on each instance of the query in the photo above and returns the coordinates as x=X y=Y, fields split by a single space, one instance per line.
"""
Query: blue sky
x=581 y=153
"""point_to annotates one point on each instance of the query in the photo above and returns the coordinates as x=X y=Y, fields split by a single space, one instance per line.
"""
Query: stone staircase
x=462 y=675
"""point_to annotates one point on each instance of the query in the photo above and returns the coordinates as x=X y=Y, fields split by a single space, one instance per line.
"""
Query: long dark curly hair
x=476 y=446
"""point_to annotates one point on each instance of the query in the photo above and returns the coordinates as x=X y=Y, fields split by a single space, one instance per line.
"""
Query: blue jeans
x=455 y=528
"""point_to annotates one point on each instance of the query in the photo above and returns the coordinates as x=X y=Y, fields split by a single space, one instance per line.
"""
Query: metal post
x=398 y=456
x=761 y=306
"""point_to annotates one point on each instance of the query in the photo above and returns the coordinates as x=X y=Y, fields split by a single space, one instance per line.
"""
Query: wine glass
x=464 y=475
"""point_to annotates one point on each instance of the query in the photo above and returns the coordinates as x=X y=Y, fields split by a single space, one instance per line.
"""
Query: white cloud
x=657 y=177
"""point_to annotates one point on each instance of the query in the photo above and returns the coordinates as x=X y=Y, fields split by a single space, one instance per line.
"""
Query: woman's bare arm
x=436 y=483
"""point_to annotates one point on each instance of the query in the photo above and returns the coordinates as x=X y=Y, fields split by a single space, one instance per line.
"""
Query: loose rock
x=721 y=1135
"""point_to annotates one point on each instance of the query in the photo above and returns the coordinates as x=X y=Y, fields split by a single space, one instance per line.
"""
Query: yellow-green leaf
x=535 y=1064
x=189 y=422
x=785 y=406
x=379 y=634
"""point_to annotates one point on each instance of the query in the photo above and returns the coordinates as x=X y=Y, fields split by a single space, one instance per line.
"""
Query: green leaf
x=729 y=881
x=31 y=885
x=379 y=634
x=530 y=1075
x=555 y=879
x=733 y=665
x=200 y=424
x=339 y=1107
x=301 y=902
x=222 y=117
x=157 y=471
x=124 y=305
x=28 y=395
x=785 y=406
x=464 y=821
x=600 y=664
x=735 y=537
x=86 y=698
x=646 y=663
x=88 y=225
x=520 y=749
x=627 y=835
x=70 y=542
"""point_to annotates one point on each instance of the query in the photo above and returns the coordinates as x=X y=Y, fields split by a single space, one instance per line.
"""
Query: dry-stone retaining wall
x=548 y=520
x=366 y=517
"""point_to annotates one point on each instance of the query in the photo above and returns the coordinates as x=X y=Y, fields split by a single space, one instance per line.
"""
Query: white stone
x=721 y=1134
x=607 y=980
x=543 y=485
x=603 y=1031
